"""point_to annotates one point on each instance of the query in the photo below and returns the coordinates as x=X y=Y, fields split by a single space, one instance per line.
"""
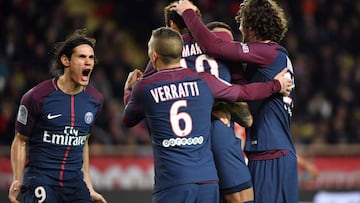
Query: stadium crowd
x=322 y=42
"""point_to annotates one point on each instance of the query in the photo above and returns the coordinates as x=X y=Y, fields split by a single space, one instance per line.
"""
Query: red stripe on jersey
x=72 y=98
x=72 y=110
x=63 y=166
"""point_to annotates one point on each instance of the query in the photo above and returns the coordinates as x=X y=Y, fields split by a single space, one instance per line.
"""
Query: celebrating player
x=54 y=120
x=269 y=145
x=176 y=103
x=235 y=181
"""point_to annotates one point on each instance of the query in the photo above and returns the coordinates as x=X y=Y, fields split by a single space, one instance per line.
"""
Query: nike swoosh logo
x=49 y=116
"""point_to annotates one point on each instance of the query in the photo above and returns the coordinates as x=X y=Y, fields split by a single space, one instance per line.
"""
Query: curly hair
x=66 y=48
x=265 y=18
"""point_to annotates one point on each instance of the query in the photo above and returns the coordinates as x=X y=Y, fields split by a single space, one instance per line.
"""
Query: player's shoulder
x=189 y=73
x=40 y=90
x=280 y=49
x=264 y=47
x=168 y=74
x=188 y=38
x=93 y=92
x=269 y=51
x=45 y=86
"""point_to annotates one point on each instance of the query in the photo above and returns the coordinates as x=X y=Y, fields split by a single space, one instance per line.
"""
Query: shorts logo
x=22 y=114
x=89 y=117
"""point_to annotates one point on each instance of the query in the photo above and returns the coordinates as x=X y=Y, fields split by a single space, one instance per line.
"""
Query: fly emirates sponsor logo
x=175 y=91
x=69 y=138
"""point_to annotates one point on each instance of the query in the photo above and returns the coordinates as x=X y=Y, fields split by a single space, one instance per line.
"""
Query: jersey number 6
x=176 y=117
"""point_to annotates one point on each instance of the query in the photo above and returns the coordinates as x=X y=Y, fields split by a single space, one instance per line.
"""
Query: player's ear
x=155 y=55
x=173 y=25
x=65 y=60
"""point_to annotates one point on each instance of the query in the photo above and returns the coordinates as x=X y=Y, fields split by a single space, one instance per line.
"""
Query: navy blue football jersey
x=271 y=127
x=268 y=140
x=195 y=59
x=57 y=125
x=272 y=114
x=176 y=104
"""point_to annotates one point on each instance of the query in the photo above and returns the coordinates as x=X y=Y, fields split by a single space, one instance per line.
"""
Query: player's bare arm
x=94 y=195
x=308 y=166
x=240 y=112
x=18 y=155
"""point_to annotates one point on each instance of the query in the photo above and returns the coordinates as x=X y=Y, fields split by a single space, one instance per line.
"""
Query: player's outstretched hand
x=98 y=198
x=133 y=77
x=286 y=83
x=14 y=191
x=183 y=5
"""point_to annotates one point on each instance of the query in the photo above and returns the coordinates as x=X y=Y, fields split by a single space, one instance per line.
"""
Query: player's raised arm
x=131 y=80
x=214 y=45
x=133 y=112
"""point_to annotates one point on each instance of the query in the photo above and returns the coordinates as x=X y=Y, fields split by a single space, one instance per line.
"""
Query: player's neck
x=264 y=41
x=68 y=86
x=258 y=39
x=161 y=66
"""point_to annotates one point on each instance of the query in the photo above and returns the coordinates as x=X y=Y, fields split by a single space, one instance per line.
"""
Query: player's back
x=178 y=108
x=195 y=59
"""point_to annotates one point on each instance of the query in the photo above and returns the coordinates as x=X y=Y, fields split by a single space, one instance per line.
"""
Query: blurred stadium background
x=323 y=43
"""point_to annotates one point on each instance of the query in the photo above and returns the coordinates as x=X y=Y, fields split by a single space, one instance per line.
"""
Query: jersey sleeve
x=247 y=92
x=223 y=35
x=150 y=69
x=217 y=47
x=28 y=111
x=133 y=112
x=98 y=97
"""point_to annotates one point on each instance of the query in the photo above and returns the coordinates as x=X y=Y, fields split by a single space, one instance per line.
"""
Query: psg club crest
x=89 y=117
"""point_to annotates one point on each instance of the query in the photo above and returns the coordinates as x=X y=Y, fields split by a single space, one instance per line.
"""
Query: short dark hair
x=167 y=43
x=66 y=48
x=218 y=24
x=175 y=17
